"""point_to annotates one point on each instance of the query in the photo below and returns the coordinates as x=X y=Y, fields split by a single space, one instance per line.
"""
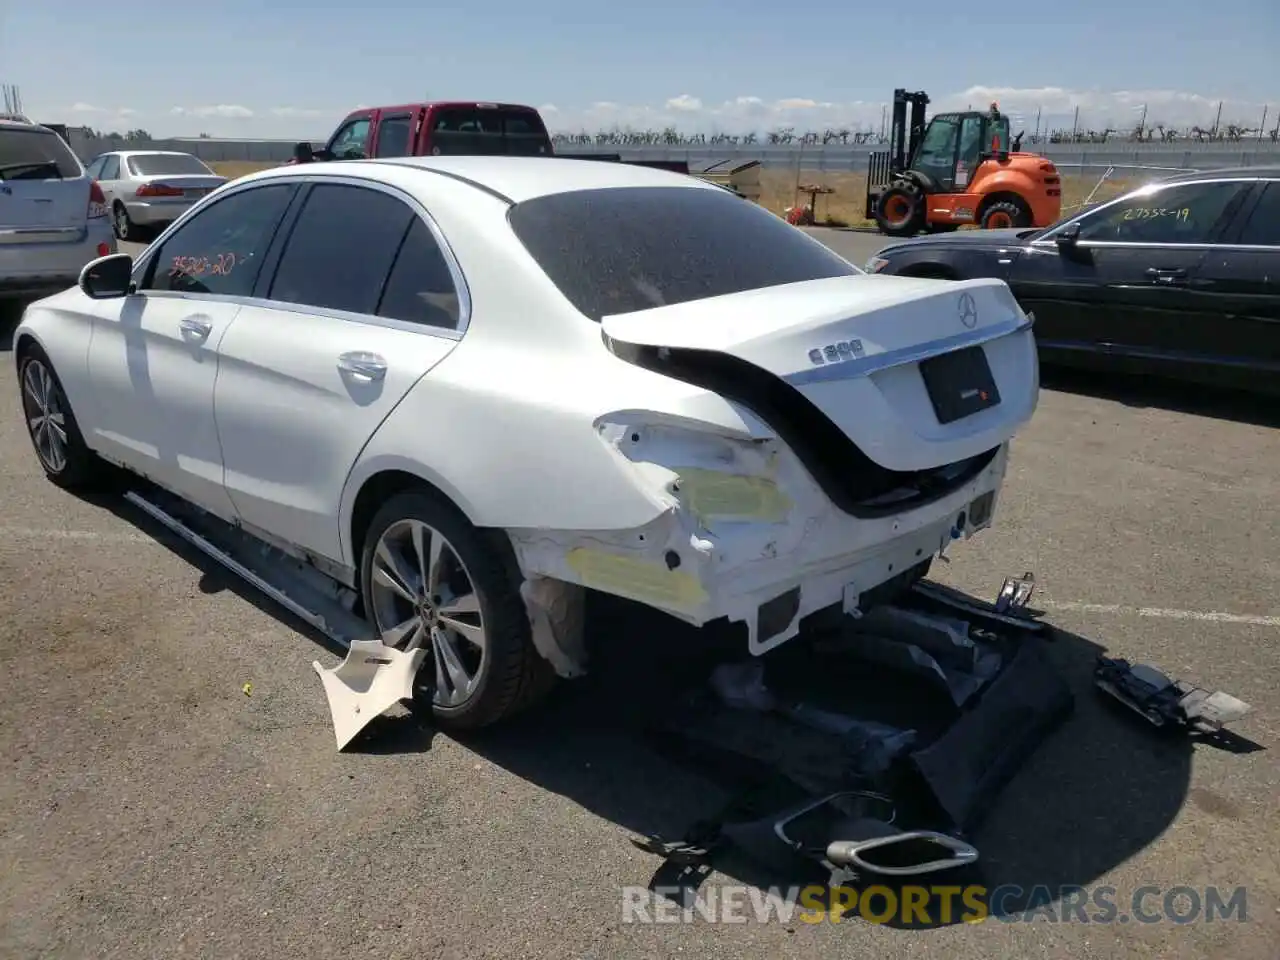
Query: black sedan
x=1179 y=278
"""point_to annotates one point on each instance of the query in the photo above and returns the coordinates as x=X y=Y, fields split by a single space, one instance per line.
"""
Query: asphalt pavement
x=173 y=788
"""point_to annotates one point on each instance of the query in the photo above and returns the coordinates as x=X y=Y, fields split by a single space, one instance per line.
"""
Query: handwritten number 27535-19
x=219 y=265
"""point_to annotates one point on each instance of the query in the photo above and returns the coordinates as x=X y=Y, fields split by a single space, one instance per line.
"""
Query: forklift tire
x=900 y=212
x=1005 y=215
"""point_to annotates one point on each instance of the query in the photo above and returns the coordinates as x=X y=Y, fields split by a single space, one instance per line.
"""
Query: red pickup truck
x=432 y=129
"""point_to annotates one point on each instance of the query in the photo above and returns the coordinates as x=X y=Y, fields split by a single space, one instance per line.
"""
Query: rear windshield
x=485 y=131
x=30 y=153
x=626 y=249
x=166 y=164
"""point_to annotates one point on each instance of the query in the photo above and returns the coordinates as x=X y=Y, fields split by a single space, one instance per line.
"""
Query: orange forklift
x=960 y=168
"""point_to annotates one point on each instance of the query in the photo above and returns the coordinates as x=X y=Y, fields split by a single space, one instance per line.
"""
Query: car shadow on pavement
x=1140 y=392
x=1100 y=787
x=1097 y=790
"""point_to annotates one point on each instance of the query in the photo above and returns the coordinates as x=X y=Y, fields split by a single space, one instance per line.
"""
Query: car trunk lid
x=917 y=374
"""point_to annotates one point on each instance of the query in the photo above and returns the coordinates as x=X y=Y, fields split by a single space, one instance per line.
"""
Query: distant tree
x=139 y=134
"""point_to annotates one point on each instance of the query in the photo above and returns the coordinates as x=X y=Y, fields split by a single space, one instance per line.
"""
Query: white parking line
x=1160 y=613
x=1066 y=606
x=108 y=536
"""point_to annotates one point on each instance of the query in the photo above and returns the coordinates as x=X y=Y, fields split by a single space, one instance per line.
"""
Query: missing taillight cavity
x=853 y=481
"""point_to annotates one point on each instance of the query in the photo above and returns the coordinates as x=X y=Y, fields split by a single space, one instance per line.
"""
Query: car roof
x=1268 y=171
x=513 y=179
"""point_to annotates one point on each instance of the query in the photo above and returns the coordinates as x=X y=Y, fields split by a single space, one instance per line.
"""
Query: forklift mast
x=904 y=139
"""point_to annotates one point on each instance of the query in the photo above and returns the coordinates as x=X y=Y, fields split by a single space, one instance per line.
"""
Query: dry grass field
x=844 y=207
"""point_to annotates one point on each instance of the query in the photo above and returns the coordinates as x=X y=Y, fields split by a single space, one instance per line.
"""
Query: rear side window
x=167 y=165
x=421 y=288
x=32 y=153
x=341 y=249
x=1263 y=228
x=487 y=131
x=621 y=250
x=220 y=249
x=393 y=137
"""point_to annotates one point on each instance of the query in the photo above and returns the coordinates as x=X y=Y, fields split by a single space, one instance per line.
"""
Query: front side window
x=341 y=248
x=34 y=153
x=220 y=249
x=111 y=169
x=1181 y=213
x=94 y=170
x=619 y=250
x=352 y=141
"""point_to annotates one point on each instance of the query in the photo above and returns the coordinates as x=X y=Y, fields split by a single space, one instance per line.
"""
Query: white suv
x=53 y=216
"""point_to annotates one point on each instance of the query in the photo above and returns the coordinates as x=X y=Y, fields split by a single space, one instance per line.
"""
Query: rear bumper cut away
x=768 y=574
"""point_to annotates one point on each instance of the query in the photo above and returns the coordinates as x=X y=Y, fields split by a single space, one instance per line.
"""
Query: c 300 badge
x=837 y=352
x=968 y=310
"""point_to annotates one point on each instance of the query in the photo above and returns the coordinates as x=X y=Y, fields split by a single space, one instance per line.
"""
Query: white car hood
x=851 y=346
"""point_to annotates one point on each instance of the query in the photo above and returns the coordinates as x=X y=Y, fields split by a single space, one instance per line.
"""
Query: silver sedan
x=146 y=190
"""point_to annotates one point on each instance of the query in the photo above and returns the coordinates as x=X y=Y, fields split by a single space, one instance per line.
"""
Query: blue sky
x=289 y=69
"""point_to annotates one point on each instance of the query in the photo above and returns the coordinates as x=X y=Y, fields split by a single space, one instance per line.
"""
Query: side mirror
x=1068 y=236
x=323 y=154
x=108 y=278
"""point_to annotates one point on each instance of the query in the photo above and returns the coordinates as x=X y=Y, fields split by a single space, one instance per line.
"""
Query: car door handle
x=1167 y=275
x=196 y=329
x=362 y=365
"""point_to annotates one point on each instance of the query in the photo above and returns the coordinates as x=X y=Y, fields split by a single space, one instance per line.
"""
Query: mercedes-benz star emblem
x=968 y=310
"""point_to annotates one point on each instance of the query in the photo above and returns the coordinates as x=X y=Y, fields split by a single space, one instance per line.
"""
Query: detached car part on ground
x=504 y=380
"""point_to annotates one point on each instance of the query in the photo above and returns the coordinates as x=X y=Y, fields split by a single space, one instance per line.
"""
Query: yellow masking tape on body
x=709 y=493
x=640 y=579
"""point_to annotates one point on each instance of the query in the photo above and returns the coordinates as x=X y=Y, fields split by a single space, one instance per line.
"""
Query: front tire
x=60 y=448
x=900 y=211
x=429 y=578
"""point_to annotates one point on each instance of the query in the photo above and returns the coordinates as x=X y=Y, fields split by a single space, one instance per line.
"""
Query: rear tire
x=900 y=211
x=55 y=435
x=1005 y=215
x=429 y=578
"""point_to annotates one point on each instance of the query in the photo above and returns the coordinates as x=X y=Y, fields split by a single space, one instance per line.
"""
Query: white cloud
x=548 y=108
x=86 y=108
x=685 y=103
x=223 y=111
x=299 y=112
x=1098 y=109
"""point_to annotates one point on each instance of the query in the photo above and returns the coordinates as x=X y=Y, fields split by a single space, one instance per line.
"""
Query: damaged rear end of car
x=874 y=421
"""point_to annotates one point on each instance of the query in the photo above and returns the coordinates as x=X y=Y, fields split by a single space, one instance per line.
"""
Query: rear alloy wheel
x=59 y=446
x=900 y=212
x=431 y=580
x=123 y=224
x=1004 y=216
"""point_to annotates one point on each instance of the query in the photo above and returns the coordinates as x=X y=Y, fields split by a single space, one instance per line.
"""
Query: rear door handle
x=362 y=365
x=196 y=329
x=1167 y=275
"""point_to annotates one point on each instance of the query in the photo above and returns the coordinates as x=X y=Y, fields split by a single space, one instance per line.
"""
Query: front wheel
x=60 y=448
x=900 y=212
x=430 y=579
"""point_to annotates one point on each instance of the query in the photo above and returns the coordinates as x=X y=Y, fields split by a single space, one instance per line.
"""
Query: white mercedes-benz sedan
x=467 y=389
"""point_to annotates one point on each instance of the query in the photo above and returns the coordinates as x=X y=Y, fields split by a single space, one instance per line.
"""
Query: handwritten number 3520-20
x=219 y=265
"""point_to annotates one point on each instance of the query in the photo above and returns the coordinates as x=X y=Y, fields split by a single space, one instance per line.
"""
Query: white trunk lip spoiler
x=862 y=366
